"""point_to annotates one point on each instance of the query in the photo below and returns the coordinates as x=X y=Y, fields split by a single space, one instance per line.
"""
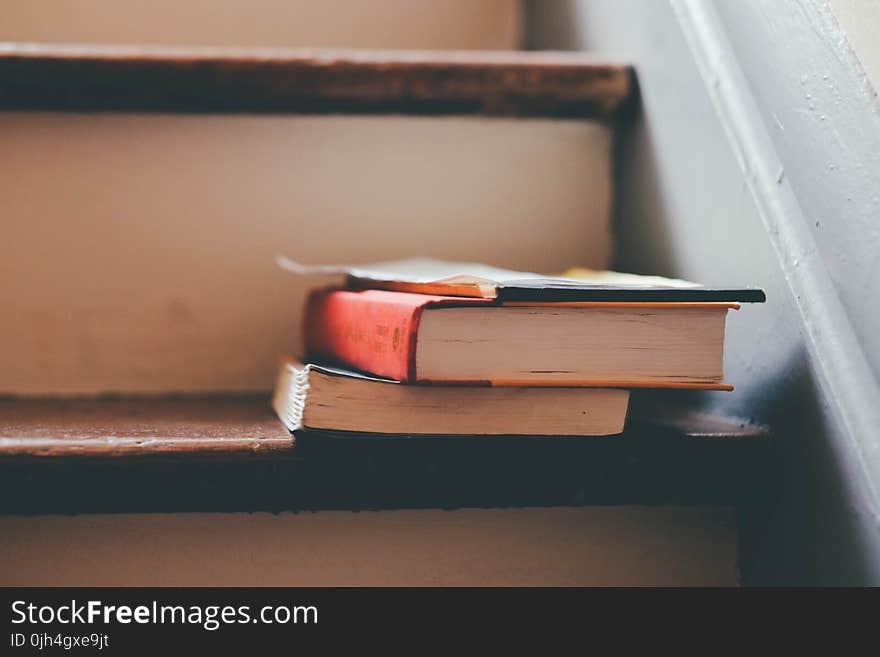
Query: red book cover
x=370 y=330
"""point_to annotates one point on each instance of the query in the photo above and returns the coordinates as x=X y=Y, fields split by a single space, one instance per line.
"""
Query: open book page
x=431 y=276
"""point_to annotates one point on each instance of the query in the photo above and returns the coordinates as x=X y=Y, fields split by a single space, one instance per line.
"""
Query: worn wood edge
x=663 y=420
x=124 y=413
x=526 y=84
x=113 y=447
x=320 y=55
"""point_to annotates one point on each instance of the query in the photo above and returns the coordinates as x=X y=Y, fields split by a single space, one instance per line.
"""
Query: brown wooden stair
x=231 y=453
x=519 y=84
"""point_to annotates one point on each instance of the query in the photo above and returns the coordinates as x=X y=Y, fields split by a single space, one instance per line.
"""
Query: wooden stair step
x=296 y=81
x=231 y=453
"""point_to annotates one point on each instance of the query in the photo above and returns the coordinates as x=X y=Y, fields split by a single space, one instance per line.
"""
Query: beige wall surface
x=466 y=24
x=137 y=253
x=860 y=20
x=637 y=546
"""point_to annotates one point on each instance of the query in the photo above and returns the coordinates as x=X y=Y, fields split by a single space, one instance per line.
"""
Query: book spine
x=367 y=331
x=291 y=393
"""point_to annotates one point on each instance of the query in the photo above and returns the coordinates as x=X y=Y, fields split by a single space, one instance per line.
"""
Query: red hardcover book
x=423 y=338
x=371 y=330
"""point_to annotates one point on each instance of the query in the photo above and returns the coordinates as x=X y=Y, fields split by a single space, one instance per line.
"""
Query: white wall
x=684 y=208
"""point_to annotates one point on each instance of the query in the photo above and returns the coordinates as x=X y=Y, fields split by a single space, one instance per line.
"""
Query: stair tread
x=235 y=425
x=136 y=426
x=231 y=453
x=308 y=81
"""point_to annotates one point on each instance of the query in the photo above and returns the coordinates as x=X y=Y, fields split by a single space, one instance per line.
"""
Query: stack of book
x=431 y=347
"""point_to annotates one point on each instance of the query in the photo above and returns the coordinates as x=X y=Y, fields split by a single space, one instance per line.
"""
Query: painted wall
x=683 y=208
x=325 y=23
x=859 y=20
x=138 y=251
x=563 y=546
